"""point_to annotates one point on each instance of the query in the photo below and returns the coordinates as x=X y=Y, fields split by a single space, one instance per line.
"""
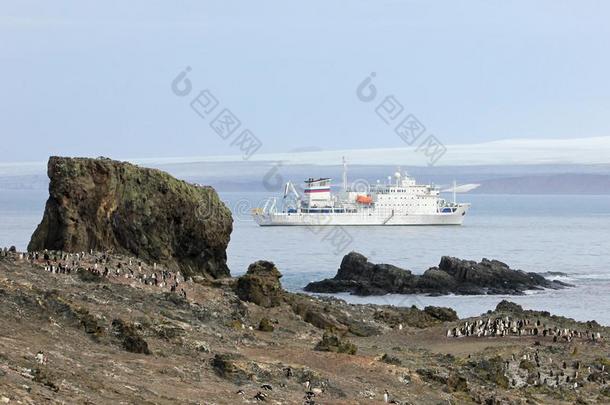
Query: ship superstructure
x=399 y=201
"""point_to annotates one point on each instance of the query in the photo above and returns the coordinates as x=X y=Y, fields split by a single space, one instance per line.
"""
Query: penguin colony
x=103 y=265
x=506 y=326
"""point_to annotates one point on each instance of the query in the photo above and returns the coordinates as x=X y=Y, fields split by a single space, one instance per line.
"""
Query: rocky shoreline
x=74 y=332
x=358 y=276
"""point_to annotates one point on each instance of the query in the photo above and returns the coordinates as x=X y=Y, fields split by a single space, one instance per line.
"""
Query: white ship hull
x=361 y=218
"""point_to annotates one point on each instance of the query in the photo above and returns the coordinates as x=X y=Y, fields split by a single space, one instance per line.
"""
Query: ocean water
x=560 y=233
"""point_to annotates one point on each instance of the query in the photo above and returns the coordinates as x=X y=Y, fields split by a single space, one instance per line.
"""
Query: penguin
x=386 y=396
x=288 y=371
x=40 y=357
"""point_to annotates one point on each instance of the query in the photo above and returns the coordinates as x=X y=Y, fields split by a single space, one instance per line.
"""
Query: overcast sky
x=83 y=79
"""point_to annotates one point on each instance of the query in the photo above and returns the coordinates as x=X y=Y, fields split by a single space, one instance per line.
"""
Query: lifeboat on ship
x=364 y=199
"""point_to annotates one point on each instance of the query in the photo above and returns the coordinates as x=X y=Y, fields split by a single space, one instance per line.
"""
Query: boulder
x=327 y=317
x=332 y=343
x=265 y=325
x=442 y=313
x=407 y=316
x=261 y=285
x=229 y=365
x=507 y=306
x=389 y=359
x=105 y=205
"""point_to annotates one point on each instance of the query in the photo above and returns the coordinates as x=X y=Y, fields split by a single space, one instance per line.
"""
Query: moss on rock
x=332 y=343
x=106 y=205
x=261 y=285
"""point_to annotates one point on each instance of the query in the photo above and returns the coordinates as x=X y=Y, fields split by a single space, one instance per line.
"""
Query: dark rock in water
x=554 y=273
x=332 y=343
x=452 y=276
x=261 y=285
x=106 y=205
x=356 y=274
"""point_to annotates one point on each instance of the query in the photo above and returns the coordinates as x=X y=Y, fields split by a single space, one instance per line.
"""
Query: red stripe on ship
x=319 y=190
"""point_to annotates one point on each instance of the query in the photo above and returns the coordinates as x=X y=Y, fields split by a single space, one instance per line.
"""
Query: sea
x=547 y=234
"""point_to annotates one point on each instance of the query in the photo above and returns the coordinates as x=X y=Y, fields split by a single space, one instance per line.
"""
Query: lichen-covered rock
x=228 y=365
x=261 y=285
x=129 y=338
x=492 y=370
x=332 y=343
x=105 y=205
x=389 y=359
x=265 y=325
x=410 y=316
x=456 y=382
x=442 y=313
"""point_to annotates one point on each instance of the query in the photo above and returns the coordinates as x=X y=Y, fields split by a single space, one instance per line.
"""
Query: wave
x=568 y=277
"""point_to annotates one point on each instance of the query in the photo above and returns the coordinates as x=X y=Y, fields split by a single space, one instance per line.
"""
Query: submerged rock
x=105 y=205
x=452 y=276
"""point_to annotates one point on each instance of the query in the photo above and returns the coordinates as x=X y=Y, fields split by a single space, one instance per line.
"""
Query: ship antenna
x=344 y=174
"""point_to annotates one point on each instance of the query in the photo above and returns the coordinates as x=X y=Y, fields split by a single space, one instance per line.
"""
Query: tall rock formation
x=106 y=205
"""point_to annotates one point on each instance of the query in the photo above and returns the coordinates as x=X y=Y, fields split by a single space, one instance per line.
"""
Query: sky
x=95 y=78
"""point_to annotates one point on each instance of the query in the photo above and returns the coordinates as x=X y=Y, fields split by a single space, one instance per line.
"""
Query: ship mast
x=344 y=174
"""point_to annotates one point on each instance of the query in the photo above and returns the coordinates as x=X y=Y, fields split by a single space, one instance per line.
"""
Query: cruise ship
x=399 y=201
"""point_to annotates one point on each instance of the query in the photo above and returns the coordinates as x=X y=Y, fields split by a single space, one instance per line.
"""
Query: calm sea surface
x=569 y=234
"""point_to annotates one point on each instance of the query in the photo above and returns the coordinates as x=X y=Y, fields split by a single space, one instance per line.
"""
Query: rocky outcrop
x=452 y=276
x=335 y=344
x=261 y=285
x=442 y=313
x=106 y=205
